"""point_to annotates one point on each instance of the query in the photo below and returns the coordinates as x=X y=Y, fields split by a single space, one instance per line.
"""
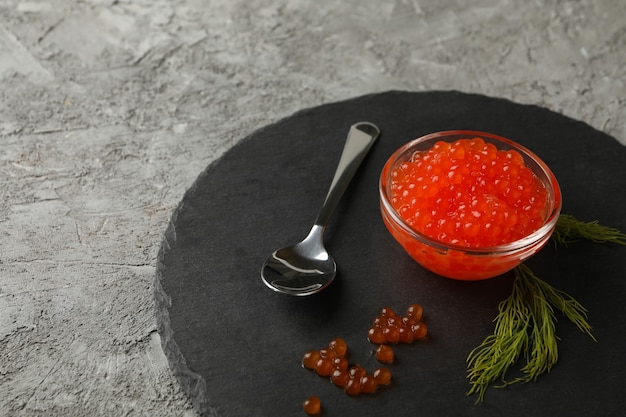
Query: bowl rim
x=511 y=247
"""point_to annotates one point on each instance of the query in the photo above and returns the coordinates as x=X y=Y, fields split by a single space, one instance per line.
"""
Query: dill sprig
x=569 y=229
x=526 y=323
x=524 y=327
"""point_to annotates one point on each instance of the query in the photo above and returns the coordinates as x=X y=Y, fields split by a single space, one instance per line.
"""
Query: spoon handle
x=360 y=139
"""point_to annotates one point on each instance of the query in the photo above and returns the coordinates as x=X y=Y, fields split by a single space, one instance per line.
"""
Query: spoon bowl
x=306 y=267
x=302 y=269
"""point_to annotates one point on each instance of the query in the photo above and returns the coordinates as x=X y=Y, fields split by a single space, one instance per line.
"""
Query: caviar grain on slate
x=309 y=360
x=340 y=377
x=354 y=379
x=415 y=311
x=324 y=367
x=312 y=406
x=390 y=328
x=382 y=376
x=368 y=384
x=384 y=354
x=339 y=346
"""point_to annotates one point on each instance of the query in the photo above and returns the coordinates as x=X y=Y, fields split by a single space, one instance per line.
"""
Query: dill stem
x=526 y=322
x=569 y=229
x=525 y=326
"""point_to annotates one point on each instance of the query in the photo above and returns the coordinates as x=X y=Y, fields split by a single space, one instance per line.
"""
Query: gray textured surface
x=110 y=109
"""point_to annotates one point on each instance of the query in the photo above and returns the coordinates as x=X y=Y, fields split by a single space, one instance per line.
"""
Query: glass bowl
x=463 y=262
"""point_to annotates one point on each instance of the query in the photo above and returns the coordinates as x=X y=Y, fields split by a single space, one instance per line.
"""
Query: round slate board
x=236 y=345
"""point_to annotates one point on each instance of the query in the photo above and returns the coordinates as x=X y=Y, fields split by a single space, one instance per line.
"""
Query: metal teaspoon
x=307 y=268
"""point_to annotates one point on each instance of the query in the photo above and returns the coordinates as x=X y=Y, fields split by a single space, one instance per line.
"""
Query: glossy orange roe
x=353 y=379
x=331 y=361
x=384 y=354
x=469 y=193
x=312 y=406
x=390 y=328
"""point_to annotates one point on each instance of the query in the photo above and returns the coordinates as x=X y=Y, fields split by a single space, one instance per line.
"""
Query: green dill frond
x=525 y=327
x=569 y=229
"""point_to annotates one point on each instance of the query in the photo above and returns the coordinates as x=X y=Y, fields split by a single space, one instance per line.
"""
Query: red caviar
x=312 y=405
x=469 y=193
x=331 y=361
x=468 y=205
x=391 y=328
x=354 y=379
x=384 y=354
x=382 y=376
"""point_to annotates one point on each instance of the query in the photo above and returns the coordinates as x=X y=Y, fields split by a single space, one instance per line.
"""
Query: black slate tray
x=236 y=346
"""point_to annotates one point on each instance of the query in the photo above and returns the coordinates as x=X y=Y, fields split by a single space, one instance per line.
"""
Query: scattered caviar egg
x=353 y=387
x=324 y=367
x=340 y=377
x=420 y=330
x=340 y=363
x=327 y=353
x=387 y=312
x=356 y=372
x=309 y=360
x=387 y=328
x=408 y=321
x=382 y=376
x=415 y=311
x=384 y=354
x=375 y=335
x=368 y=384
x=312 y=406
x=391 y=334
x=405 y=335
x=339 y=346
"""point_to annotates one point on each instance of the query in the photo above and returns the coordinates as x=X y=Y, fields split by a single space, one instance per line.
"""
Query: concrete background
x=109 y=109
